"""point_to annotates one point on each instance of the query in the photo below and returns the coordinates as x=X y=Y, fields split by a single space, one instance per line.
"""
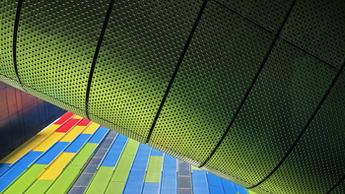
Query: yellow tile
x=30 y=144
x=50 y=141
x=77 y=117
x=91 y=128
x=48 y=130
x=73 y=133
x=55 y=169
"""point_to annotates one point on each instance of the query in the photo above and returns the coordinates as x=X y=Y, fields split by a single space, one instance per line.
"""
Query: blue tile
x=52 y=153
x=169 y=176
x=214 y=184
x=199 y=182
x=155 y=152
x=136 y=176
x=151 y=188
x=229 y=187
x=17 y=169
x=3 y=168
x=98 y=136
x=169 y=183
x=91 y=167
x=78 y=143
x=241 y=190
x=169 y=164
x=114 y=151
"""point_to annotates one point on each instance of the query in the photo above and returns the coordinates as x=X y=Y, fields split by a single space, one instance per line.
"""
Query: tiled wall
x=21 y=117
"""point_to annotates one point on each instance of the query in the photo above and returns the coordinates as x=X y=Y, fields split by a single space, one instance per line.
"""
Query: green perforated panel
x=340 y=189
x=218 y=68
x=282 y=100
x=143 y=44
x=139 y=53
x=56 y=44
x=318 y=27
x=319 y=153
x=266 y=13
x=7 y=18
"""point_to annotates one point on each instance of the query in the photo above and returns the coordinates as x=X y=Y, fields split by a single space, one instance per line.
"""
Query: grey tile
x=77 y=190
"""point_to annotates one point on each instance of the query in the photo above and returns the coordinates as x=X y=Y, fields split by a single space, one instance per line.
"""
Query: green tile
x=123 y=167
x=65 y=181
x=70 y=174
x=154 y=169
x=115 y=187
x=24 y=181
x=100 y=180
x=82 y=157
x=40 y=186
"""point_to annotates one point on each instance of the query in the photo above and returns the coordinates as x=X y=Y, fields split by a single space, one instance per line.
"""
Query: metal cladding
x=250 y=90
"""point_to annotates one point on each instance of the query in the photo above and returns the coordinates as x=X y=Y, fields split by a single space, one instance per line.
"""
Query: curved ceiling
x=250 y=90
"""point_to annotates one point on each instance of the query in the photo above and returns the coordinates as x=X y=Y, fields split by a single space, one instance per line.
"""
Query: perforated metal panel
x=266 y=13
x=319 y=153
x=143 y=43
x=282 y=100
x=217 y=70
x=318 y=27
x=340 y=189
x=56 y=44
x=139 y=53
x=7 y=17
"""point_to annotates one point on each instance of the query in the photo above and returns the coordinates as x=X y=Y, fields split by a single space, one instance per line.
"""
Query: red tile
x=67 y=126
x=64 y=118
x=84 y=122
